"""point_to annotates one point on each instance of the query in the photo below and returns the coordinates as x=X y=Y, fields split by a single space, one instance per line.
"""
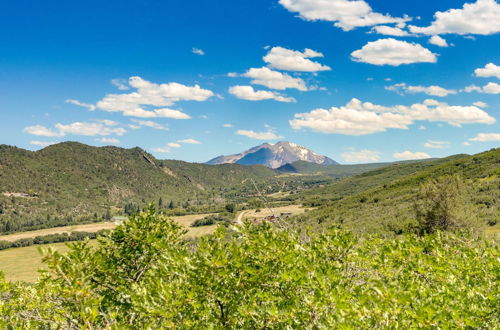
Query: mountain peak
x=273 y=155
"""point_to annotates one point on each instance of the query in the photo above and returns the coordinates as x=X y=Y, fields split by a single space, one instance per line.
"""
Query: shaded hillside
x=303 y=167
x=383 y=199
x=76 y=181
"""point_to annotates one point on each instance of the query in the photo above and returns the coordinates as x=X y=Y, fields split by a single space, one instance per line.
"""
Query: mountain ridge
x=273 y=155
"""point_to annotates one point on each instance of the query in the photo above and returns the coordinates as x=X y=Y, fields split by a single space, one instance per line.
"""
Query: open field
x=185 y=220
x=265 y=212
x=22 y=264
x=90 y=228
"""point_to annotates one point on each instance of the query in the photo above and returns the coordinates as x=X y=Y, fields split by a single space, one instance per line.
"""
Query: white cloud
x=91 y=107
x=486 y=137
x=393 y=52
x=467 y=144
x=361 y=156
x=162 y=150
x=358 y=118
x=153 y=95
x=42 y=143
x=259 y=135
x=438 y=41
x=88 y=129
x=408 y=155
x=489 y=88
x=108 y=122
x=291 y=60
x=480 y=104
x=121 y=84
x=228 y=125
x=346 y=14
x=151 y=124
x=249 y=94
x=429 y=90
x=41 y=131
x=189 y=141
x=77 y=128
x=437 y=144
x=174 y=145
x=481 y=17
x=108 y=140
x=198 y=51
x=274 y=79
x=490 y=70
x=389 y=31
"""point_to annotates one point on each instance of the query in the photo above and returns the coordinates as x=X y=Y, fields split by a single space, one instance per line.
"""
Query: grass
x=22 y=264
x=265 y=212
x=90 y=228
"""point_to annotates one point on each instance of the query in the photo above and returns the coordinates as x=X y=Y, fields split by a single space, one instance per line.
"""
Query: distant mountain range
x=274 y=156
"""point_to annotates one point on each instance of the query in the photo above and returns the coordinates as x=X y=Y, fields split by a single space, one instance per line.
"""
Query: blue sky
x=358 y=81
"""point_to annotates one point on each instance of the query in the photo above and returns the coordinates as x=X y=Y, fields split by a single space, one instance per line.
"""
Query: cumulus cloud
x=490 y=70
x=480 y=104
x=162 y=150
x=291 y=60
x=259 y=135
x=153 y=95
x=486 y=137
x=108 y=140
x=489 y=88
x=437 y=144
x=361 y=156
x=249 y=94
x=481 y=17
x=346 y=14
x=88 y=129
x=42 y=143
x=358 y=118
x=121 y=84
x=389 y=31
x=274 y=79
x=41 y=131
x=198 y=51
x=408 y=155
x=189 y=141
x=91 y=107
x=228 y=125
x=76 y=128
x=151 y=124
x=393 y=52
x=429 y=90
x=438 y=41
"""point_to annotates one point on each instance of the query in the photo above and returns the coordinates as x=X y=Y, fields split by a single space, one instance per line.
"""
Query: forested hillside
x=383 y=199
x=72 y=182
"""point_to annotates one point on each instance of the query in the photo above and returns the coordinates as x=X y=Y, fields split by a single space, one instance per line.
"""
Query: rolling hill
x=382 y=200
x=80 y=182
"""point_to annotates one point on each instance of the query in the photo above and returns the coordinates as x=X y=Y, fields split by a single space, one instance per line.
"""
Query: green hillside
x=383 y=200
x=80 y=183
x=303 y=167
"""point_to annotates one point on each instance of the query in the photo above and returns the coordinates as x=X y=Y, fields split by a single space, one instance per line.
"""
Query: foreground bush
x=144 y=274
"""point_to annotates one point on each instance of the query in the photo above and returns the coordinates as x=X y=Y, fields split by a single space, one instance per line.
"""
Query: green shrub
x=442 y=205
x=145 y=275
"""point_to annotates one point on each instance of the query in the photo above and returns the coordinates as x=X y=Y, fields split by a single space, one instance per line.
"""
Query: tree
x=230 y=207
x=442 y=205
